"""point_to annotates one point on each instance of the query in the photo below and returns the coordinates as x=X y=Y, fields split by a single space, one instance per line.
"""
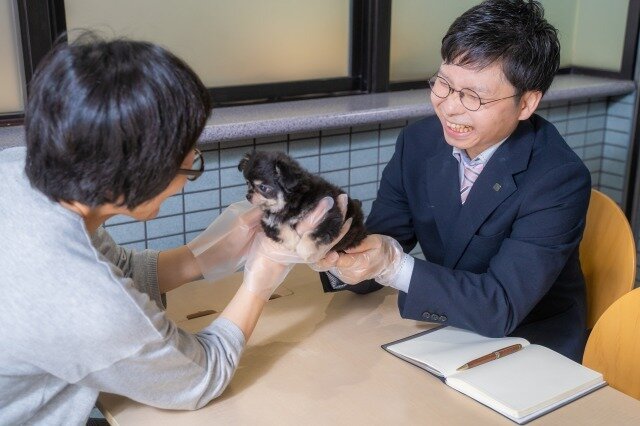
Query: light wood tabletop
x=315 y=359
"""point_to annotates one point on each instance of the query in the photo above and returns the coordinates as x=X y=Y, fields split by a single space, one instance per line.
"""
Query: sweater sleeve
x=149 y=358
x=176 y=370
x=141 y=267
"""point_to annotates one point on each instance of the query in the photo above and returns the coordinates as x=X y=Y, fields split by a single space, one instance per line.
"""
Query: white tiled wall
x=599 y=131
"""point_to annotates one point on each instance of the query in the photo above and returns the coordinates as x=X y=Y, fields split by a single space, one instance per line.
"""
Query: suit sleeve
x=545 y=234
x=390 y=213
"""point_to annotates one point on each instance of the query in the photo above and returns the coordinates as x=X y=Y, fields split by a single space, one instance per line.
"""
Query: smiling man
x=492 y=193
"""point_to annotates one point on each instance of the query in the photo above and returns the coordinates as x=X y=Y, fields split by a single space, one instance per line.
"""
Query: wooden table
x=315 y=359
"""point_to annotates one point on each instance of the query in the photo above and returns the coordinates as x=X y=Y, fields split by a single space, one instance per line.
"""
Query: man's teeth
x=459 y=127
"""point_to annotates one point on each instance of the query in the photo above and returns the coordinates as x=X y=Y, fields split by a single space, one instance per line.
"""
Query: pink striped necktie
x=471 y=173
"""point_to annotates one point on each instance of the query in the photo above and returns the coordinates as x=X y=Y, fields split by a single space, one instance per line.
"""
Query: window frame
x=42 y=22
x=368 y=19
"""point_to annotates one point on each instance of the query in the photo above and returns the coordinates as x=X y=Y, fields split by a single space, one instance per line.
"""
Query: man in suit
x=491 y=191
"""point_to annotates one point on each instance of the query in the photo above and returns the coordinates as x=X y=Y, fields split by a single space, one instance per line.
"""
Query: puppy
x=286 y=193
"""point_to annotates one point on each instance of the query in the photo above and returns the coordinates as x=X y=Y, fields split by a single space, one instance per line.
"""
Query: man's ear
x=528 y=103
x=245 y=160
x=286 y=175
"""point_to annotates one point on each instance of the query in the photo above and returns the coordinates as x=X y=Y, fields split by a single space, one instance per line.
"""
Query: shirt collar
x=482 y=158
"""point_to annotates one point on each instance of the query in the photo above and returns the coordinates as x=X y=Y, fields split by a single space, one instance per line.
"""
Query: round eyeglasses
x=198 y=167
x=468 y=98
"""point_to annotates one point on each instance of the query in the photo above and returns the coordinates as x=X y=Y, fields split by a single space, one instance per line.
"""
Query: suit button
x=443 y=318
x=426 y=316
x=435 y=317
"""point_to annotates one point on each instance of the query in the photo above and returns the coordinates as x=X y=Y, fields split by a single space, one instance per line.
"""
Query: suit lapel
x=493 y=186
x=444 y=197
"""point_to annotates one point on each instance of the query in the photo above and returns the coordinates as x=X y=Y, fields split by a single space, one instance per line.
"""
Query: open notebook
x=521 y=386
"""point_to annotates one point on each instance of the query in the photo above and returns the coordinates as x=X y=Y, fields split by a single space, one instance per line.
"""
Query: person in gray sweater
x=111 y=128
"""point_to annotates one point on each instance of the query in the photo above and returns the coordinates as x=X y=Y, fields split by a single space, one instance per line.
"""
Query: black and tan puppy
x=286 y=193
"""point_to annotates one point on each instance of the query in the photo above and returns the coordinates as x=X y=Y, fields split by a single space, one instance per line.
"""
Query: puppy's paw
x=307 y=249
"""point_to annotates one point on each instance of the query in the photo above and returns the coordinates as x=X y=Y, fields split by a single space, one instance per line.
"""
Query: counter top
x=301 y=116
x=315 y=359
x=253 y=121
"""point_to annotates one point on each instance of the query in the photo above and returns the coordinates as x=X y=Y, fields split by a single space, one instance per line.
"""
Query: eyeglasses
x=468 y=98
x=198 y=167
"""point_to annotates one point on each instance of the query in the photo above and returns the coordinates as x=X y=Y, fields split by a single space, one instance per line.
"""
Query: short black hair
x=111 y=121
x=513 y=32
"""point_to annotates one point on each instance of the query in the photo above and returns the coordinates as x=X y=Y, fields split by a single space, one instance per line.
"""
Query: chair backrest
x=613 y=347
x=607 y=255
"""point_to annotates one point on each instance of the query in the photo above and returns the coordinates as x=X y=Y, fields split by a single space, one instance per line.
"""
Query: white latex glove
x=269 y=262
x=306 y=248
x=279 y=253
x=378 y=257
x=311 y=220
x=262 y=275
x=222 y=248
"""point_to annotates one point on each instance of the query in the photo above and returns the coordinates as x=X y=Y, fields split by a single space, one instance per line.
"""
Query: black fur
x=301 y=191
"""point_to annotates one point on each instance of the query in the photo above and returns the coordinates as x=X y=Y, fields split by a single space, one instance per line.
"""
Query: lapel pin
x=497 y=187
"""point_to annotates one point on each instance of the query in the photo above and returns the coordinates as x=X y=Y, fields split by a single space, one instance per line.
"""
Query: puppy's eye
x=264 y=188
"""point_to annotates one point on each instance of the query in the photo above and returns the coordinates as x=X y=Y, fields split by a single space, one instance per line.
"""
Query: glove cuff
x=396 y=260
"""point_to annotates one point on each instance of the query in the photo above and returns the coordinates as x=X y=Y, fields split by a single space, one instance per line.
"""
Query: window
x=231 y=42
x=596 y=37
x=251 y=51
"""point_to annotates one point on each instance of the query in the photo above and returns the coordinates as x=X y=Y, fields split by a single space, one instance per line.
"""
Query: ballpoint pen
x=490 y=357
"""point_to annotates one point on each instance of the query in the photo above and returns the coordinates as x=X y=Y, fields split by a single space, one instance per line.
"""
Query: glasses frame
x=483 y=102
x=193 y=174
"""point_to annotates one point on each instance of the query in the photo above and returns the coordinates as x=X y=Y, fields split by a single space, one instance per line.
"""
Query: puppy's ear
x=245 y=160
x=287 y=174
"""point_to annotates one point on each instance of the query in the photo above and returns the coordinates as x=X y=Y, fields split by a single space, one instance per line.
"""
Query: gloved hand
x=307 y=249
x=269 y=262
x=311 y=220
x=222 y=248
x=262 y=275
x=378 y=257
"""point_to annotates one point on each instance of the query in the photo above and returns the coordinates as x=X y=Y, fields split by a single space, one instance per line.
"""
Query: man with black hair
x=492 y=193
x=111 y=128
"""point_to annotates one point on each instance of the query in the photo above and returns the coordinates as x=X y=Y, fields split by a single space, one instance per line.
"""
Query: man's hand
x=269 y=262
x=313 y=219
x=307 y=248
x=278 y=253
x=262 y=274
x=377 y=257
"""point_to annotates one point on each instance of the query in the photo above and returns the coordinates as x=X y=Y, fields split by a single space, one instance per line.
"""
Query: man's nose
x=453 y=105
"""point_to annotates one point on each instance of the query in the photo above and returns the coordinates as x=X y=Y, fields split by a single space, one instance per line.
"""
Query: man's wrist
x=393 y=256
x=402 y=276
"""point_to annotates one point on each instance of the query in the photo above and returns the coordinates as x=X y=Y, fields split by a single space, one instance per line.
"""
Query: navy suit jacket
x=504 y=263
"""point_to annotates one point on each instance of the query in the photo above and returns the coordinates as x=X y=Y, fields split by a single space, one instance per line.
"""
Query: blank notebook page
x=526 y=381
x=448 y=348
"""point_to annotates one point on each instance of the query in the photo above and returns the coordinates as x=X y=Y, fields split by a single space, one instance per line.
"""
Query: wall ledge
x=254 y=121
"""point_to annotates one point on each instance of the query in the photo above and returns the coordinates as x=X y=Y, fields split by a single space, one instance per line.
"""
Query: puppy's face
x=269 y=180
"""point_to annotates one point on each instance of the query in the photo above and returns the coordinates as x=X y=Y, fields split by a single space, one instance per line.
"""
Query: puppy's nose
x=248 y=196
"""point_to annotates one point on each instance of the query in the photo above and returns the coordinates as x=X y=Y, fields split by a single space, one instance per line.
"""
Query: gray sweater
x=80 y=315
